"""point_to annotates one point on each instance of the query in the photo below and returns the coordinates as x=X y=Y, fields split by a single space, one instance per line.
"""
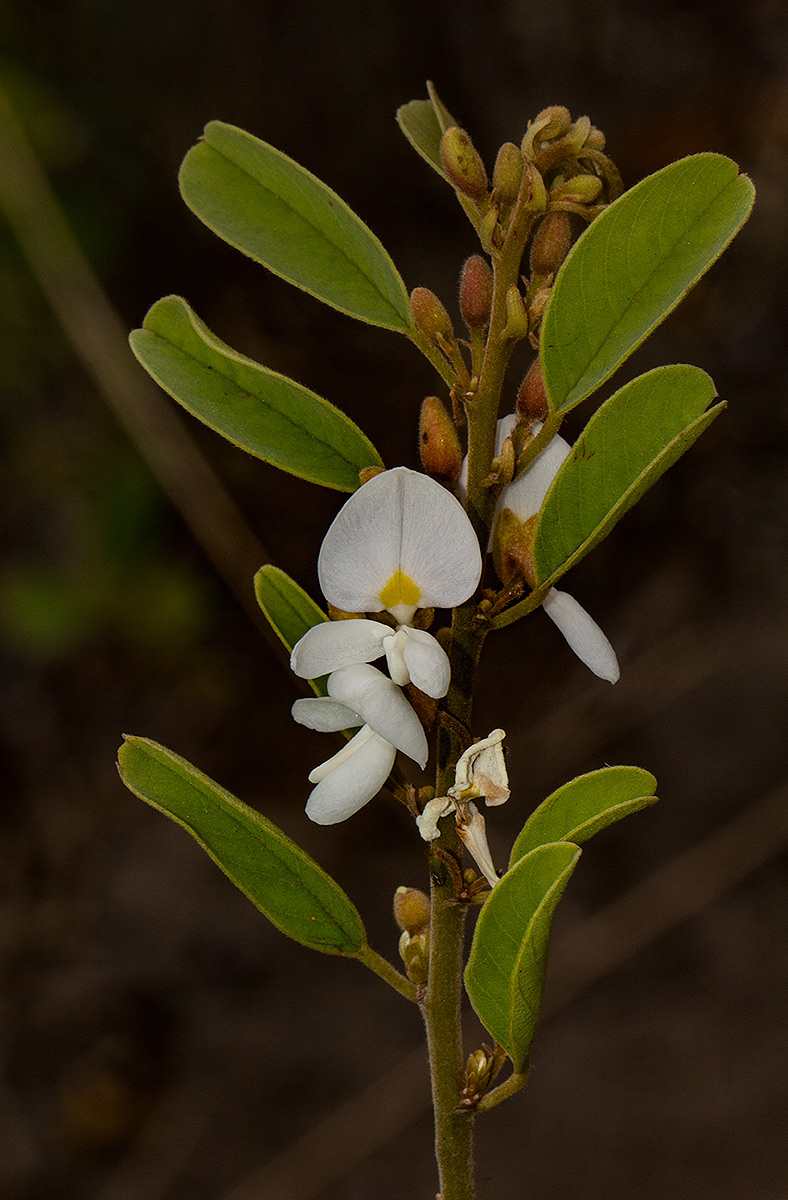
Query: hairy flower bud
x=439 y=445
x=463 y=164
x=531 y=395
x=414 y=950
x=580 y=189
x=411 y=910
x=507 y=173
x=551 y=243
x=476 y=291
x=429 y=315
x=550 y=123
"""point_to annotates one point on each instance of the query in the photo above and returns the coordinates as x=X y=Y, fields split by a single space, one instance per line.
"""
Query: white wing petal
x=526 y=494
x=357 y=774
x=382 y=706
x=325 y=715
x=583 y=634
x=333 y=644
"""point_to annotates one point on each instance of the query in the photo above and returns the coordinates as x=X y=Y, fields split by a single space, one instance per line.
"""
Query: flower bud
x=414 y=950
x=508 y=173
x=550 y=123
x=580 y=189
x=476 y=292
x=439 y=445
x=429 y=315
x=367 y=473
x=531 y=396
x=512 y=548
x=551 y=243
x=463 y=164
x=411 y=910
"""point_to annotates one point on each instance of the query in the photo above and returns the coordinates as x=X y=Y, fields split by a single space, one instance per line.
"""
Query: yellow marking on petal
x=400 y=589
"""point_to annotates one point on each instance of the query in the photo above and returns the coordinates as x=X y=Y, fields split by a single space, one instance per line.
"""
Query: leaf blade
x=584 y=806
x=279 y=214
x=507 y=964
x=289 y=610
x=631 y=440
x=280 y=879
x=633 y=265
x=260 y=411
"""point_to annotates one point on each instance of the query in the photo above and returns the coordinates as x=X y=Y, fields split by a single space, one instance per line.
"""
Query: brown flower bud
x=531 y=396
x=580 y=189
x=367 y=473
x=411 y=909
x=429 y=315
x=551 y=243
x=439 y=445
x=462 y=163
x=508 y=173
x=476 y=292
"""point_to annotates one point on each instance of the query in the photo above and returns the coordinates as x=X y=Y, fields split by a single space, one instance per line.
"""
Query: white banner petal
x=582 y=633
x=333 y=644
x=358 y=773
x=403 y=521
x=382 y=705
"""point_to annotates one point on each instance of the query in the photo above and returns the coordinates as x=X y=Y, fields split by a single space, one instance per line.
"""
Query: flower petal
x=325 y=715
x=333 y=644
x=582 y=633
x=439 y=806
x=525 y=495
x=382 y=705
x=472 y=831
x=481 y=771
x=427 y=663
x=354 y=776
x=401 y=532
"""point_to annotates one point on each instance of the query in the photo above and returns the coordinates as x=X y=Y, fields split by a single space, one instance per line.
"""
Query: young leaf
x=629 y=442
x=270 y=208
x=264 y=413
x=424 y=122
x=289 y=610
x=277 y=875
x=508 y=961
x=633 y=265
x=579 y=809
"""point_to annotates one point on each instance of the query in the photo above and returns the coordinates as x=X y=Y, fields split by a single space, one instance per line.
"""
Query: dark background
x=158 y=1039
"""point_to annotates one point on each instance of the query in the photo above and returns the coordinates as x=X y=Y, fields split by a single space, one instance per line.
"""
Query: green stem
x=513 y=1084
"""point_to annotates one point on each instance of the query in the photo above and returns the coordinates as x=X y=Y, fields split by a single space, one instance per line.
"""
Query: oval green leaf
x=289 y=610
x=279 y=214
x=579 y=809
x=633 y=265
x=288 y=886
x=259 y=410
x=629 y=442
x=507 y=965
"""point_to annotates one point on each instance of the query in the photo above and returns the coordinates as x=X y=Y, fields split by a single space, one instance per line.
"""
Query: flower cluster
x=400 y=543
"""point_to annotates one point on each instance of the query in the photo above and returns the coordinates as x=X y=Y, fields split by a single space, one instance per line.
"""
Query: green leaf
x=277 y=875
x=264 y=413
x=633 y=265
x=289 y=610
x=424 y=122
x=629 y=442
x=508 y=961
x=579 y=809
x=269 y=207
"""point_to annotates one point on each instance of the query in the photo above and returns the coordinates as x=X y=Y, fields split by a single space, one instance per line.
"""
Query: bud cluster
x=412 y=914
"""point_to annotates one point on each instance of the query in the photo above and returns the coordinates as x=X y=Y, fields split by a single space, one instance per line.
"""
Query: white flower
x=412 y=655
x=401 y=542
x=480 y=773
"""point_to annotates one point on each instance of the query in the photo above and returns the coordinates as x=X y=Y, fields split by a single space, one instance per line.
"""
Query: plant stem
x=382 y=967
